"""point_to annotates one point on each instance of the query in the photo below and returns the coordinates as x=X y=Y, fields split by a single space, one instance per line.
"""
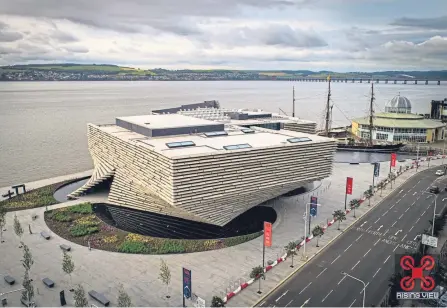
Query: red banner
x=349 y=182
x=267 y=234
x=393 y=159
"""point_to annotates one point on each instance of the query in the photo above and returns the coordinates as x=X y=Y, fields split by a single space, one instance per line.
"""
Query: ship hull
x=374 y=149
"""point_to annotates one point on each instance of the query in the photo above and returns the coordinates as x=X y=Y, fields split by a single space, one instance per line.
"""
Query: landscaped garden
x=38 y=197
x=80 y=225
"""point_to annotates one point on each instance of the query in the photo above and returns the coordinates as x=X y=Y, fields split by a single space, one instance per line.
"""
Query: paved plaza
x=213 y=272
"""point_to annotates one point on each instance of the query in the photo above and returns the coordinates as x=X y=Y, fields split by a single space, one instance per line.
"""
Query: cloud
x=7 y=36
x=76 y=49
x=439 y=23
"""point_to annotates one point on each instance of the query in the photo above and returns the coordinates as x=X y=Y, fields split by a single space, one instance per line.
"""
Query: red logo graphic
x=427 y=283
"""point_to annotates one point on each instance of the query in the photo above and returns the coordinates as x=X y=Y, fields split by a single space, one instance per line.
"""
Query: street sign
x=313 y=206
x=349 y=183
x=429 y=240
x=376 y=169
x=187 y=288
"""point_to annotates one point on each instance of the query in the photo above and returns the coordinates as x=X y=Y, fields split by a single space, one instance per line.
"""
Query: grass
x=88 y=68
x=38 y=197
x=79 y=224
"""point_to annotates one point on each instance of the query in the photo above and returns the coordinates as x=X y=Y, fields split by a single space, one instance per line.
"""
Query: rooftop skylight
x=299 y=139
x=181 y=144
x=247 y=131
x=216 y=134
x=237 y=146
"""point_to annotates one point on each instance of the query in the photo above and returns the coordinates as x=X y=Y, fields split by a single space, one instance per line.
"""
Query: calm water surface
x=43 y=124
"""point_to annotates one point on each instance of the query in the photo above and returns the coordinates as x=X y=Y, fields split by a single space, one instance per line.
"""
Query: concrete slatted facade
x=205 y=182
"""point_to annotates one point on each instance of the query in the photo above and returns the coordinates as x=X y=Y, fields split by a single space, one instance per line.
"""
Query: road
x=366 y=251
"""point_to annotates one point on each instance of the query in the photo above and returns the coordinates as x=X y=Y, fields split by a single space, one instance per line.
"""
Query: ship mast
x=371 y=114
x=328 y=109
x=293 y=112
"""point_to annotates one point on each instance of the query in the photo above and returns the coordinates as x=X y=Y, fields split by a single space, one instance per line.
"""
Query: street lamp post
x=434 y=212
x=364 y=285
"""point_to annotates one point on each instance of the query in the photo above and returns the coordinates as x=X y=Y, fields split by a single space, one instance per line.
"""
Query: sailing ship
x=354 y=144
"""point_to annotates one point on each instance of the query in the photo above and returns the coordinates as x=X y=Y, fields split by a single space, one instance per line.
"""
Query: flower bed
x=79 y=224
x=38 y=197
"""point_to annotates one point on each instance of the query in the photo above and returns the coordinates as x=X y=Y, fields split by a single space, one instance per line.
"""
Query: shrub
x=81 y=230
x=133 y=247
x=82 y=208
x=110 y=239
x=88 y=221
x=171 y=246
x=60 y=216
x=211 y=244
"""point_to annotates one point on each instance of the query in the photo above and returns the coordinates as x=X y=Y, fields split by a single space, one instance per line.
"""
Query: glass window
x=215 y=134
x=237 y=146
x=299 y=139
x=180 y=144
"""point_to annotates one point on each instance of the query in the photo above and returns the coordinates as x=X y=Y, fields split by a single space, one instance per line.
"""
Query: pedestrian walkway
x=213 y=273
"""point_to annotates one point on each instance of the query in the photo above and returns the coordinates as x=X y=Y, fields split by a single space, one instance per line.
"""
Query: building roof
x=166 y=121
x=203 y=145
x=399 y=102
x=400 y=120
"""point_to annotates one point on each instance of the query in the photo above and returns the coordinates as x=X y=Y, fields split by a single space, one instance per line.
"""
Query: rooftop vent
x=248 y=131
x=299 y=139
x=182 y=144
x=237 y=146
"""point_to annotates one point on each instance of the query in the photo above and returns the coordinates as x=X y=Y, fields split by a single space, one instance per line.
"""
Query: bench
x=65 y=247
x=9 y=280
x=48 y=282
x=99 y=297
x=27 y=303
x=45 y=235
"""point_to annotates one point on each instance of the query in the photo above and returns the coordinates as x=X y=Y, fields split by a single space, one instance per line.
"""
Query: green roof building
x=397 y=124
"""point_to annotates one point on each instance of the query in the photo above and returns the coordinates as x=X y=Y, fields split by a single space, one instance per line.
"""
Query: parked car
x=439 y=172
x=434 y=189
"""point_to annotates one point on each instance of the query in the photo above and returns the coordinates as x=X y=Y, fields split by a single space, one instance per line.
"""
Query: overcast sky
x=339 y=35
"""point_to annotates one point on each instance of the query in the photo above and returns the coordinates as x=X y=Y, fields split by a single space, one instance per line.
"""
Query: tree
x=18 y=227
x=439 y=224
x=217 y=302
x=123 y=298
x=28 y=293
x=256 y=273
x=354 y=203
x=79 y=297
x=291 y=250
x=27 y=257
x=68 y=265
x=317 y=232
x=2 y=222
x=339 y=215
x=165 y=275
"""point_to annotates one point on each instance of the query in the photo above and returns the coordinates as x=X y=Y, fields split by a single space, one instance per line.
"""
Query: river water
x=43 y=124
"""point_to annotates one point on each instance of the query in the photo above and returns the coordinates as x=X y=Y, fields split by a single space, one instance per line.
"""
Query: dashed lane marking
x=397 y=246
x=348 y=247
x=401 y=216
x=359 y=237
x=417 y=220
x=341 y=279
x=327 y=295
x=366 y=253
x=335 y=259
x=414 y=193
x=305 y=287
x=281 y=296
x=404 y=237
x=411 y=229
x=290 y=303
x=404 y=195
x=385 y=213
x=377 y=242
x=321 y=272
x=407 y=210
x=376 y=272
x=393 y=224
x=386 y=232
x=262 y=303
x=386 y=259
x=352 y=303
x=355 y=265
x=364 y=288
x=377 y=220
x=423 y=213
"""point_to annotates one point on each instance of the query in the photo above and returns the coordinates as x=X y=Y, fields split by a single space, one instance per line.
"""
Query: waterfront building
x=203 y=166
x=399 y=125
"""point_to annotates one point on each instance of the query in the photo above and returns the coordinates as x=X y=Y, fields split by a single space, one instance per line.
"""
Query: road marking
x=443 y=199
x=306 y=287
x=364 y=288
x=416 y=237
x=392 y=206
x=393 y=224
x=262 y=303
x=386 y=232
x=281 y=296
x=348 y=247
x=359 y=237
x=363 y=224
x=385 y=213
x=395 y=249
x=301 y=306
x=368 y=228
x=355 y=265
x=404 y=238
x=386 y=259
x=415 y=193
x=398 y=232
x=366 y=253
x=377 y=220
x=321 y=272
x=404 y=195
x=417 y=220
x=327 y=295
x=380 y=227
x=342 y=279
x=377 y=242
x=411 y=229
x=376 y=272
x=335 y=259
x=401 y=216
x=413 y=203
x=423 y=213
x=407 y=210
x=352 y=303
x=401 y=191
